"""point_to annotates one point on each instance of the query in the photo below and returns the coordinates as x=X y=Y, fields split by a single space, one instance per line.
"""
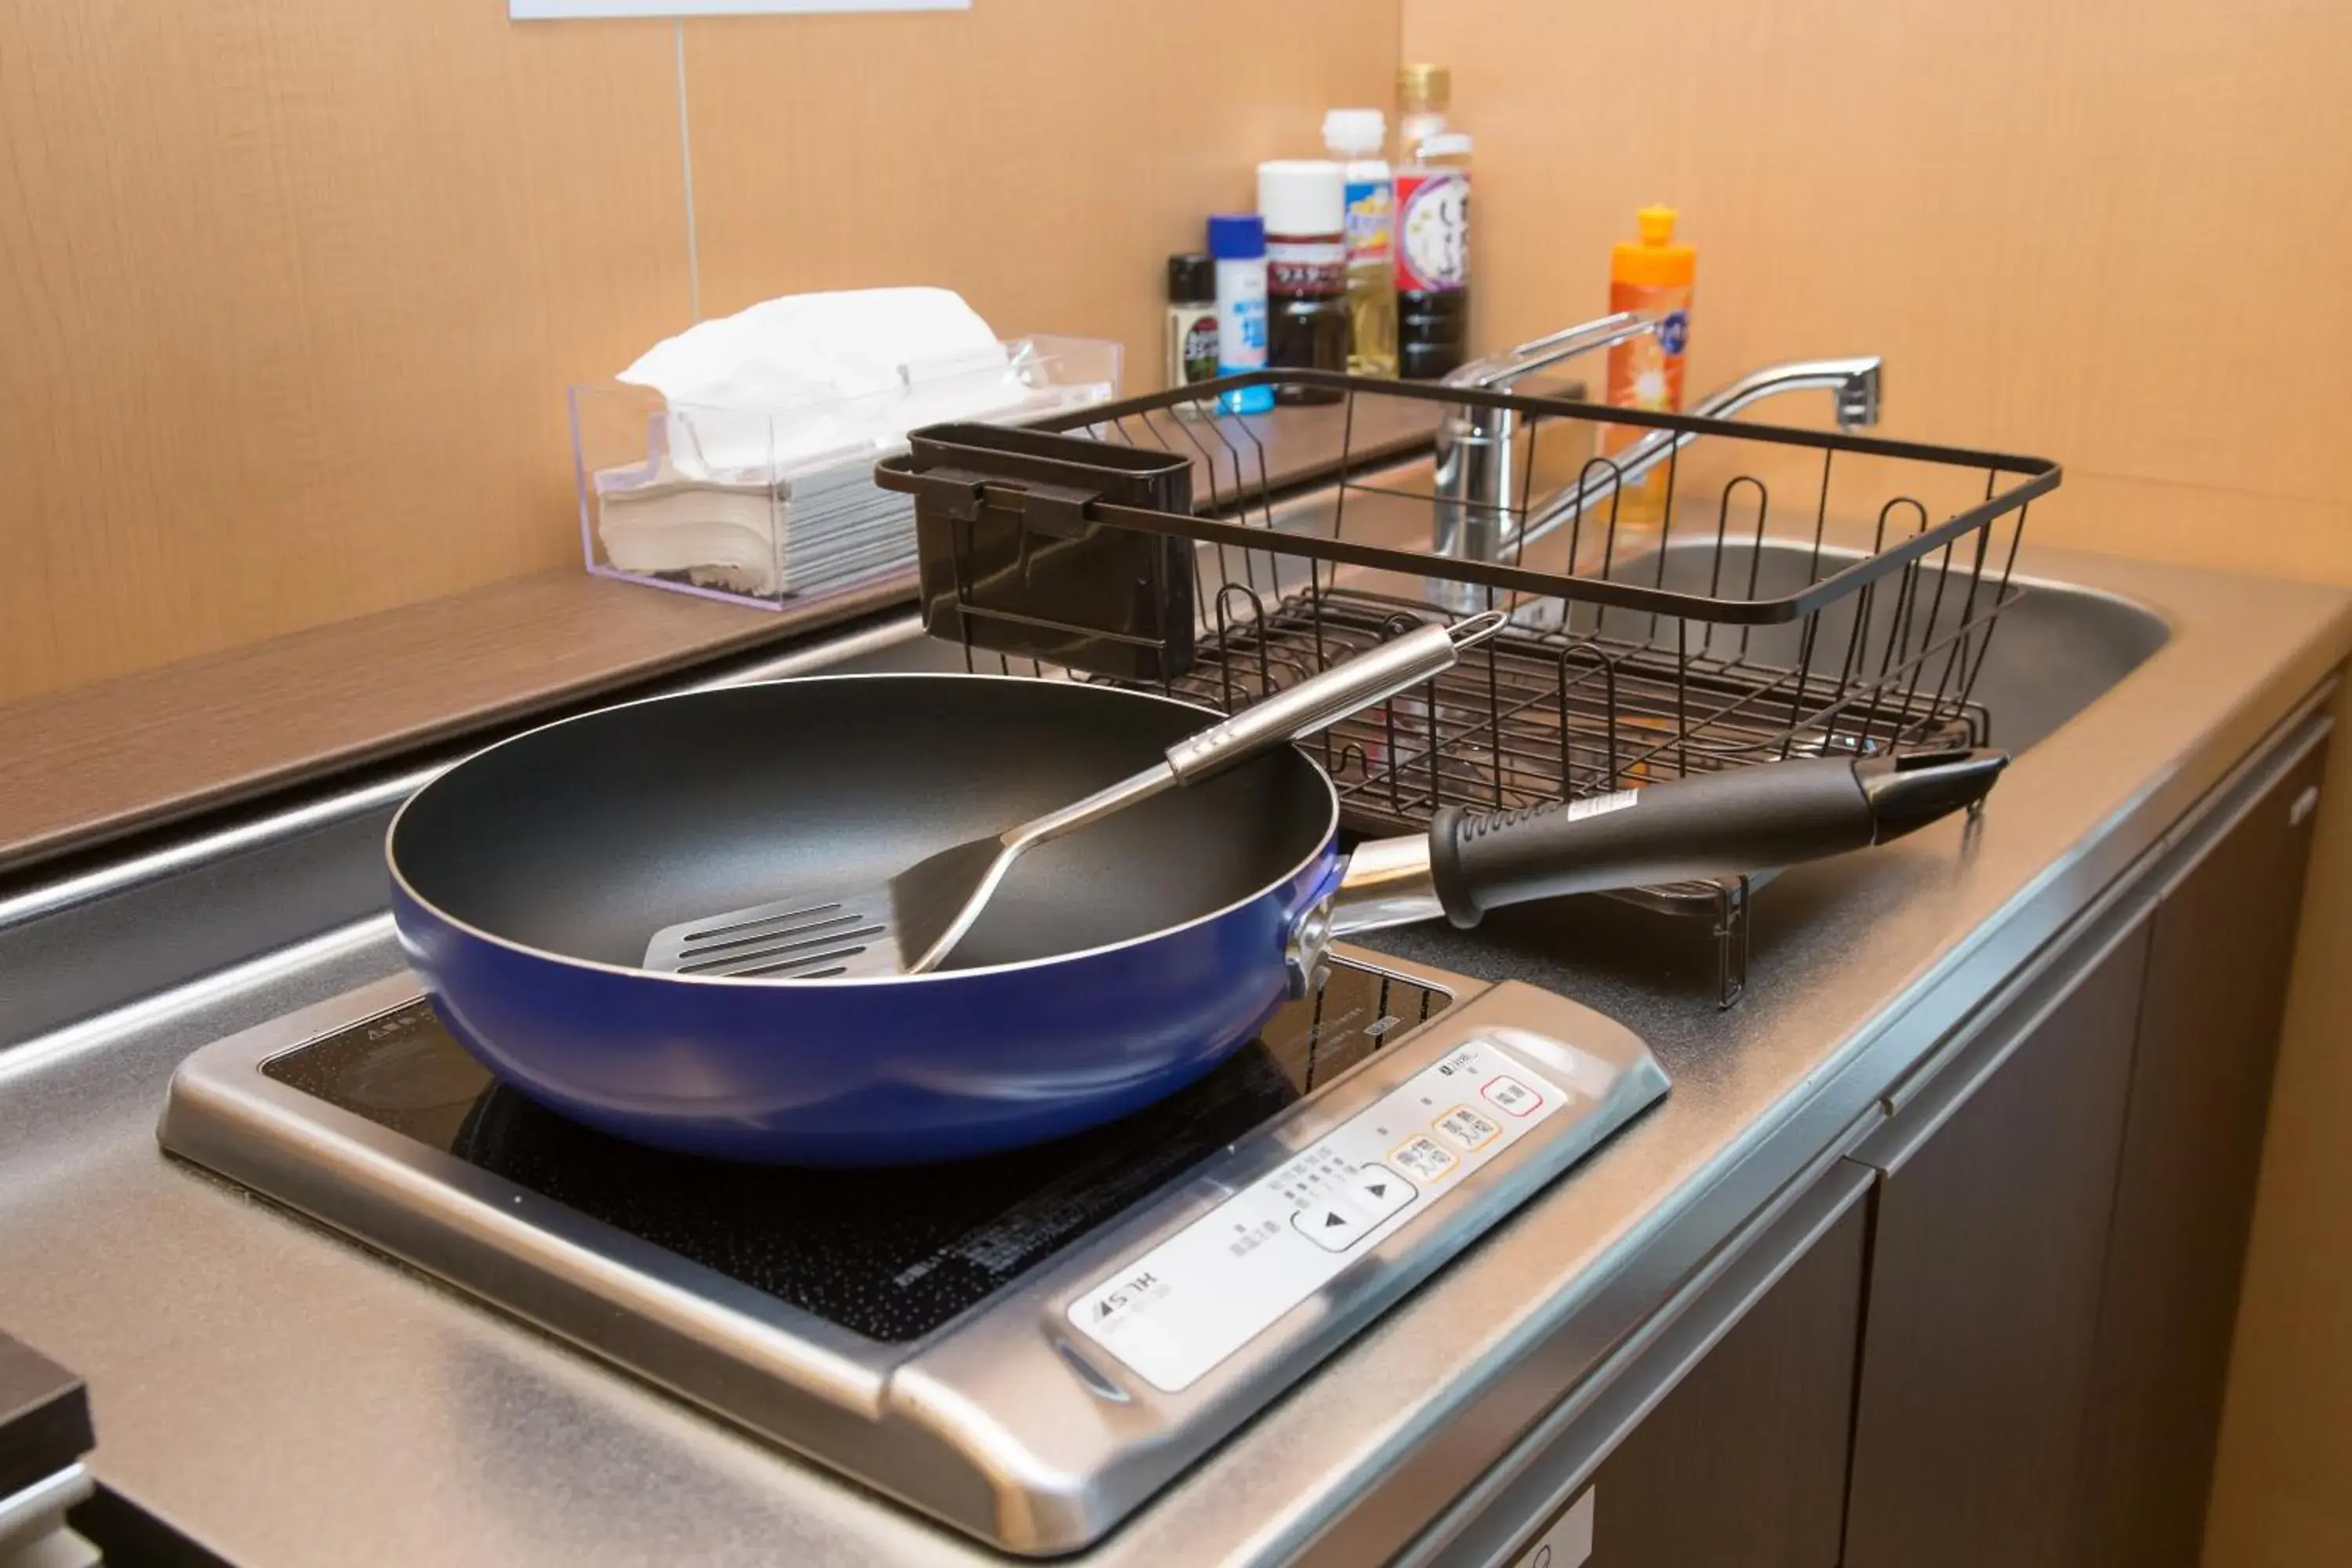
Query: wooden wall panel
x=2106 y=231
x=1043 y=157
x=291 y=292
x=290 y=289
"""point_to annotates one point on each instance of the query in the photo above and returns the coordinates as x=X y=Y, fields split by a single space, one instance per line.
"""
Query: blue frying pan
x=1114 y=967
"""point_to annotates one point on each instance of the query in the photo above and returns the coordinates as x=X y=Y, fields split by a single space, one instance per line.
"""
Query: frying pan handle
x=1711 y=825
x=1317 y=703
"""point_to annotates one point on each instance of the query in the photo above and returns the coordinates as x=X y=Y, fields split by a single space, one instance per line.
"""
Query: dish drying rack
x=1707 y=621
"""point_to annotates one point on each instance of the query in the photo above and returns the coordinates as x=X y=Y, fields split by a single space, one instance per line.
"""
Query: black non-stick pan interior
x=586 y=838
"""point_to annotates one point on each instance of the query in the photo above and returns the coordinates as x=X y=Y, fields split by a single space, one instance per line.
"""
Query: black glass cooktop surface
x=887 y=1254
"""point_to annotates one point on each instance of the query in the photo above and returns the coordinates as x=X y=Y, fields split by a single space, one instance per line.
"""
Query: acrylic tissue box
x=771 y=506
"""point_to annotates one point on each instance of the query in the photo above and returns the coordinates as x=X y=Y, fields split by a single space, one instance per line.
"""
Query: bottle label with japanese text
x=1432 y=231
x=1312 y=268
x=1371 y=220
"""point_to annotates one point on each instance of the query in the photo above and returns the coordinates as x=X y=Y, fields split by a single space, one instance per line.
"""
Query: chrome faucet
x=1856 y=382
x=1476 y=516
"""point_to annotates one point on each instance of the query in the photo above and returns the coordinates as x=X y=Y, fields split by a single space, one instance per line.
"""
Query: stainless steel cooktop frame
x=1002 y=1422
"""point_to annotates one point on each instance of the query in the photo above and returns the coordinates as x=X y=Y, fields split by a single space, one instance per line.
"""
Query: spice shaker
x=1237 y=241
x=1191 y=336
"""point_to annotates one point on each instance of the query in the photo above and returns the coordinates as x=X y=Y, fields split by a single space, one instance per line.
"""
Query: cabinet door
x=1987 y=1245
x=1743 y=1464
x=2216 y=975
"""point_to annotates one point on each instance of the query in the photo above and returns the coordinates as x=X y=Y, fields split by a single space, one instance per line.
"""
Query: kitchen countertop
x=285 y=1397
x=83 y=766
x=87 y=765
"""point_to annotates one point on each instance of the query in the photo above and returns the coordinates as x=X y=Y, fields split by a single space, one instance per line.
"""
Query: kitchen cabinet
x=2058 y=1233
x=1988 y=1240
x=2012 y=1350
x=2223 y=941
x=1742 y=1465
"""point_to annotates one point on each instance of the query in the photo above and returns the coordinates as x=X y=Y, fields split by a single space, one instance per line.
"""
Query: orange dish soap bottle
x=1651 y=274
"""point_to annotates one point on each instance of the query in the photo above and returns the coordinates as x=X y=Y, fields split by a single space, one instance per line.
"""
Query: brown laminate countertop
x=82 y=766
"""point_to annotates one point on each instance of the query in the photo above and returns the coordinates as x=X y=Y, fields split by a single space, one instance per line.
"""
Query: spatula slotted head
x=861 y=933
x=811 y=937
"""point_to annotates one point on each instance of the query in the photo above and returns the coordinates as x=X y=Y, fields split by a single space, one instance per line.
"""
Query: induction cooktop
x=952 y=1334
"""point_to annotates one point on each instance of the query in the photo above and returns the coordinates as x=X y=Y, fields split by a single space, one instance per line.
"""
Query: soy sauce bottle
x=1433 y=227
x=1433 y=257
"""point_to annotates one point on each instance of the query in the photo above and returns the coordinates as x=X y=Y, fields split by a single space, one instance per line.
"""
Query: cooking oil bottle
x=1356 y=137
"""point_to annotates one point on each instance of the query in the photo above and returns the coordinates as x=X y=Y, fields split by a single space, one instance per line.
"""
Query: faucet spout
x=1856 y=382
x=1853 y=382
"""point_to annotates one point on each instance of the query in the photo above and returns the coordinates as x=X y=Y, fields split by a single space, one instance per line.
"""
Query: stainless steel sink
x=2054 y=651
x=2060 y=648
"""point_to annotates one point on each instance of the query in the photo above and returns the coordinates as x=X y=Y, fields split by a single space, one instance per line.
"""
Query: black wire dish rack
x=1673 y=610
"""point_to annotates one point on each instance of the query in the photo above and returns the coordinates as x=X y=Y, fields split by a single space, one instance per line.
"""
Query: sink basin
x=2053 y=652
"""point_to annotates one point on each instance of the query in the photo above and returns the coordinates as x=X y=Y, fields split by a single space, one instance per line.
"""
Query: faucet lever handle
x=1498 y=371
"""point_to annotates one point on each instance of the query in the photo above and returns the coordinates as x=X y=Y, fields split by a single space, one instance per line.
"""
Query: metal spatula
x=910 y=925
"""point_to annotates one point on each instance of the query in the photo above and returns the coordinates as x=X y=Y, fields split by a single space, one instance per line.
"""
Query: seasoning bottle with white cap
x=1355 y=137
x=1305 y=203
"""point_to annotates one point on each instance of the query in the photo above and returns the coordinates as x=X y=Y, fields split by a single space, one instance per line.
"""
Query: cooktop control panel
x=1175 y=1311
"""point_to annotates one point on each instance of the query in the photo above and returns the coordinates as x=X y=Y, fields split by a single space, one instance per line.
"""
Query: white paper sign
x=552 y=10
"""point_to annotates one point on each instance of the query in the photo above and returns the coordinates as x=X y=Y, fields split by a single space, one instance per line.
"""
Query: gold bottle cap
x=1423 y=87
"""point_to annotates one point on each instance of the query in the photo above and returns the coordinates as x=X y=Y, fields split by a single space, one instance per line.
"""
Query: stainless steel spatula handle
x=1313 y=705
x=1291 y=714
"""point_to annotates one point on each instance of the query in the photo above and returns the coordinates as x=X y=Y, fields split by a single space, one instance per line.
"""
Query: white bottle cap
x=1355 y=132
x=1302 y=196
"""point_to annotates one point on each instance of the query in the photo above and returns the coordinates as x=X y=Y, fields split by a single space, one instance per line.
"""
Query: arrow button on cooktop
x=1379 y=1192
x=1332 y=1225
